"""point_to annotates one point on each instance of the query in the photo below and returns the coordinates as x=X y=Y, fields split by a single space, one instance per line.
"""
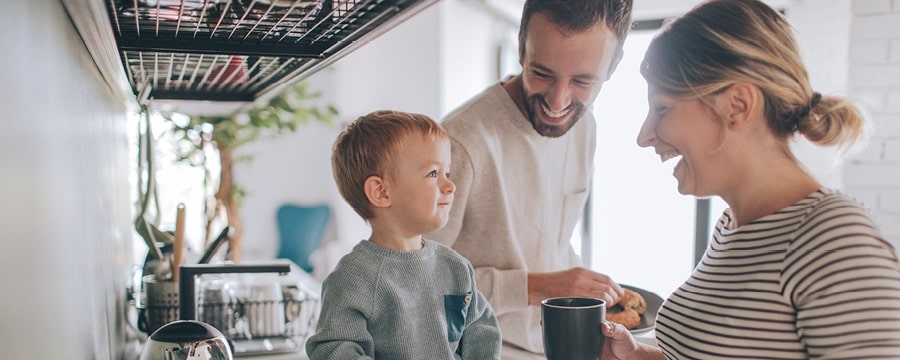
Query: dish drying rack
x=259 y=313
x=237 y=50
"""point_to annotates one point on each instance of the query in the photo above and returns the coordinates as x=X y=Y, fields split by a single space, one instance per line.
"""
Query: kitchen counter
x=278 y=349
x=289 y=356
x=648 y=338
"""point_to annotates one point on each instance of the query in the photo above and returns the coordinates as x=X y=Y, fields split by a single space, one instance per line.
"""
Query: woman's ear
x=738 y=103
x=376 y=191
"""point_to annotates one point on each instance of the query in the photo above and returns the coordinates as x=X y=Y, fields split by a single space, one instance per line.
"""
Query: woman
x=794 y=270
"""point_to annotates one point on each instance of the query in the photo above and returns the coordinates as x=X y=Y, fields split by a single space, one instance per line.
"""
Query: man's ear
x=376 y=191
x=738 y=103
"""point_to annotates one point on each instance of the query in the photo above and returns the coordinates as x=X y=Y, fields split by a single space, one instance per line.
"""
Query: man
x=522 y=159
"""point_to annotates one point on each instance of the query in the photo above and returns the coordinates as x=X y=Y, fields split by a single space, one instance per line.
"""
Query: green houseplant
x=285 y=112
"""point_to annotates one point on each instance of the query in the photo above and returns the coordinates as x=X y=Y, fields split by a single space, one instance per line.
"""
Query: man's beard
x=533 y=106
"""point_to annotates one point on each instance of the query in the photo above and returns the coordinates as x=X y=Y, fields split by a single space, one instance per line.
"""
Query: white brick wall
x=871 y=6
x=894 y=53
x=893 y=99
x=857 y=53
x=869 y=52
x=824 y=46
x=873 y=175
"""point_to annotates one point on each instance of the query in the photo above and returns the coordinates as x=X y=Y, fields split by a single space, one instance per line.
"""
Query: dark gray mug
x=572 y=328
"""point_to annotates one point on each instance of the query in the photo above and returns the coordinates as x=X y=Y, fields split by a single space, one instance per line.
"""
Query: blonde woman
x=794 y=270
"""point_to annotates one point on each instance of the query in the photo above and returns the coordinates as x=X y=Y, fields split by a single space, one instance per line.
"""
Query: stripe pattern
x=813 y=280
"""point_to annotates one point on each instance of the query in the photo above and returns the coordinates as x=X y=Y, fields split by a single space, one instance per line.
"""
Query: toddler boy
x=397 y=295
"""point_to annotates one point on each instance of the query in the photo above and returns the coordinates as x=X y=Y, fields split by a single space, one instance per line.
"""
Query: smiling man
x=523 y=154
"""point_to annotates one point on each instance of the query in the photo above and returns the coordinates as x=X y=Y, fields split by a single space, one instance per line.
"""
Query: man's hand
x=577 y=281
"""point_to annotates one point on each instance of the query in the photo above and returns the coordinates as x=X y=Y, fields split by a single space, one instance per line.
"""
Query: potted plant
x=285 y=112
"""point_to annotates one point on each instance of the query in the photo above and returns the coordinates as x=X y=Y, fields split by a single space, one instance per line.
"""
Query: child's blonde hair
x=366 y=147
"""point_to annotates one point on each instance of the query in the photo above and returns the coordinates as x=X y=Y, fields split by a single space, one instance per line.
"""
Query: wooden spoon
x=178 y=244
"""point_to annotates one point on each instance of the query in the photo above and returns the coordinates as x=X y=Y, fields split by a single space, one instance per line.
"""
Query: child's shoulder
x=446 y=251
x=355 y=264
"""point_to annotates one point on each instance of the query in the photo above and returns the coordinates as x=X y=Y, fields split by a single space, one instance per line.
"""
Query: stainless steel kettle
x=187 y=340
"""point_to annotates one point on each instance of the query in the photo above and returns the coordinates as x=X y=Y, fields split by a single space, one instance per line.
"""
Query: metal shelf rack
x=241 y=50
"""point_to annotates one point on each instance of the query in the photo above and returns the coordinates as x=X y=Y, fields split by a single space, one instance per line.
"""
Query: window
x=642 y=229
x=176 y=183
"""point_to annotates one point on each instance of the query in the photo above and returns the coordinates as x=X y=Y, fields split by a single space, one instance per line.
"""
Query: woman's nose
x=647 y=134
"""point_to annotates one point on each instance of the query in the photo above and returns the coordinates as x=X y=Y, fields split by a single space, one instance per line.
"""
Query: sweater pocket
x=457 y=307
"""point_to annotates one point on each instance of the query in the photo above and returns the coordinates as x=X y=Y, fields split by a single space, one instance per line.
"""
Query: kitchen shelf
x=241 y=50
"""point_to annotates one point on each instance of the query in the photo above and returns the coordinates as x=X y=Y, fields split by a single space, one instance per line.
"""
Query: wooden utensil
x=178 y=244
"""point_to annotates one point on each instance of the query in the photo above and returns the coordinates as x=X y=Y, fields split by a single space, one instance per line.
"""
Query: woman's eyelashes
x=659 y=110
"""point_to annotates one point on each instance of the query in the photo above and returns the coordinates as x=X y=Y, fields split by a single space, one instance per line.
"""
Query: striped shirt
x=813 y=280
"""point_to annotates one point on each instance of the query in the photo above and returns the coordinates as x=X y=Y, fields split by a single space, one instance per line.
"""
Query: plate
x=648 y=318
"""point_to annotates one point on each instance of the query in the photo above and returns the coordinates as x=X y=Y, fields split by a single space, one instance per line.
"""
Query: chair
x=300 y=230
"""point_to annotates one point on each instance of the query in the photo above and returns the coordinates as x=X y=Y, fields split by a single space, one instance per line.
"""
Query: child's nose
x=449 y=187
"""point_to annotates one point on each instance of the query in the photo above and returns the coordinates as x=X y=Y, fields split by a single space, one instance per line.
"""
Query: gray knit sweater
x=386 y=304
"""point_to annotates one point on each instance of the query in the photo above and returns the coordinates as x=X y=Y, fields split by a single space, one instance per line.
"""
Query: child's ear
x=376 y=191
x=739 y=100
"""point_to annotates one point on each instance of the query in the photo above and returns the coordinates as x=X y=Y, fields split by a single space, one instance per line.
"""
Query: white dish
x=648 y=318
